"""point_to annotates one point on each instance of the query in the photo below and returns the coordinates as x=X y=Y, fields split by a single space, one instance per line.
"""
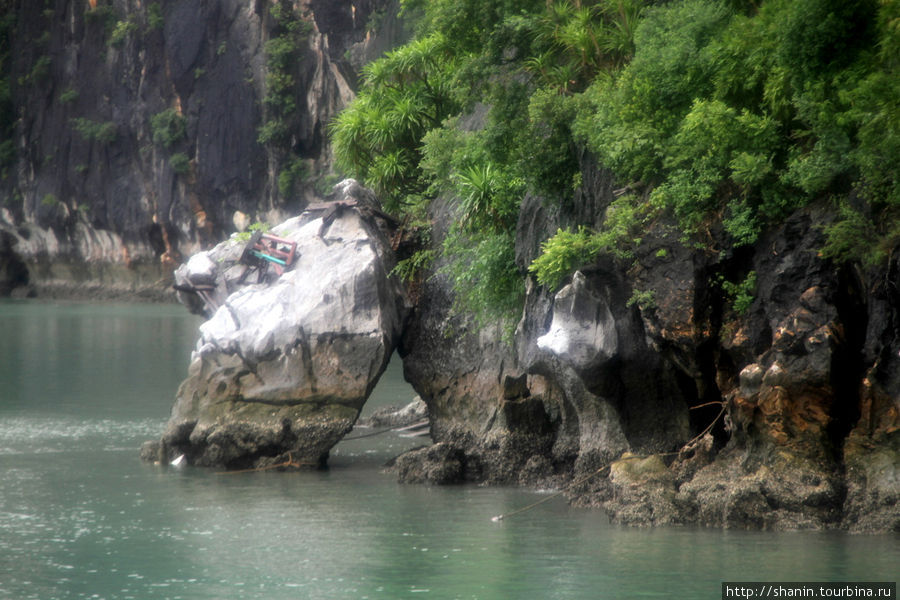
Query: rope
x=366 y=435
x=382 y=431
x=290 y=462
x=593 y=474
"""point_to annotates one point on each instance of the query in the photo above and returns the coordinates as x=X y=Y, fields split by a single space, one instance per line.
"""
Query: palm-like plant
x=489 y=197
x=404 y=95
x=580 y=40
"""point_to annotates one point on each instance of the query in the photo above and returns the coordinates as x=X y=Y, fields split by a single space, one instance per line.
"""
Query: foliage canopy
x=724 y=115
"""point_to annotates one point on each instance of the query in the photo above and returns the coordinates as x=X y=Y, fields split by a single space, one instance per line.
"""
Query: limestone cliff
x=140 y=128
x=790 y=404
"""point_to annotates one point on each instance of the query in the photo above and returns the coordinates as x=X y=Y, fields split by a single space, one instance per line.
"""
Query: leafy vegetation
x=103 y=16
x=180 y=162
x=719 y=116
x=742 y=293
x=293 y=172
x=68 y=96
x=121 y=30
x=408 y=268
x=155 y=18
x=741 y=117
x=244 y=236
x=643 y=299
x=168 y=127
x=104 y=132
x=283 y=53
x=405 y=94
x=39 y=72
x=562 y=254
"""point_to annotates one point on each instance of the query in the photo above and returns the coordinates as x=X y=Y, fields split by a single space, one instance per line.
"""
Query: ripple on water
x=45 y=435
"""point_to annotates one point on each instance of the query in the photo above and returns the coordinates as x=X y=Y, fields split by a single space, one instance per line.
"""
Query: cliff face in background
x=137 y=129
x=138 y=126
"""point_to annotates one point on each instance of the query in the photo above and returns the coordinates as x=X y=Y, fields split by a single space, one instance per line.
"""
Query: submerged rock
x=285 y=363
x=440 y=464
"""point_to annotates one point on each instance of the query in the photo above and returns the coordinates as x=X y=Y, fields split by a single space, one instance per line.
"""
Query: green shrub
x=104 y=132
x=155 y=18
x=244 y=236
x=68 y=96
x=562 y=254
x=120 y=31
x=168 y=127
x=489 y=197
x=40 y=70
x=567 y=250
x=741 y=294
x=104 y=15
x=378 y=137
x=409 y=269
x=719 y=116
x=273 y=131
x=180 y=162
x=486 y=283
x=643 y=299
x=743 y=117
x=291 y=174
x=283 y=52
x=543 y=149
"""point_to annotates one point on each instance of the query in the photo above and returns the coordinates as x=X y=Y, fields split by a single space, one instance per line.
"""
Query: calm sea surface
x=82 y=386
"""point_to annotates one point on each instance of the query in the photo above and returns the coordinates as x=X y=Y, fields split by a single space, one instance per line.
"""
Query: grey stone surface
x=284 y=366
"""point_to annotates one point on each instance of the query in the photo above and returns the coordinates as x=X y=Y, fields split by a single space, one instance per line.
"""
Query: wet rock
x=872 y=449
x=13 y=271
x=873 y=486
x=743 y=490
x=285 y=362
x=440 y=464
x=780 y=370
x=459 y=371
x=644 y=492
x=612 y=392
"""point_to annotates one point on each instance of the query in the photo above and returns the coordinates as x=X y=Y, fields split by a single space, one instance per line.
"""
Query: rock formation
x=791 y=406
x=138 y=129
x=146 y=132
x=285 y=363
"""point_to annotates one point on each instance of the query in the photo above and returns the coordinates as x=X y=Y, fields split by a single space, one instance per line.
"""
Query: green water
x=82 y=386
